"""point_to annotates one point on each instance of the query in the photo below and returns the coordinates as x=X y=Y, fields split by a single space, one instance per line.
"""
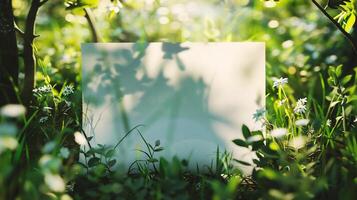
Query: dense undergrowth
x=307 y=148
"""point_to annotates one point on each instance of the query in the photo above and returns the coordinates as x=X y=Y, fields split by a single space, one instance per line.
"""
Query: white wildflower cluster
x=68 y=90
x=43 y=90
x=43 y=119
x=114 y=7
x=280 y=82
x=300 y=107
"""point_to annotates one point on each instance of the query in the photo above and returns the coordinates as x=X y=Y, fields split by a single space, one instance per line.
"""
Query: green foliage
x=306 y=150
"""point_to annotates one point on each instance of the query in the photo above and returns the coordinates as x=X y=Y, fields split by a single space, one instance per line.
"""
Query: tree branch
x=18 y=30
x=340 y=28
x=43 y=2
x=29 y=55
x=91 y=21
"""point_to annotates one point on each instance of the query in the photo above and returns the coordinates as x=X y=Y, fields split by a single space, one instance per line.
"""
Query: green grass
x=314 y=159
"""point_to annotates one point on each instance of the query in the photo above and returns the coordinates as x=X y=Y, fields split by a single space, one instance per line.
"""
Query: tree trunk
x=9 y=65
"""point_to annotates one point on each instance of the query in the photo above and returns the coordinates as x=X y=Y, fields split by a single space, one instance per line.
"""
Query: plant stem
x=340 y=28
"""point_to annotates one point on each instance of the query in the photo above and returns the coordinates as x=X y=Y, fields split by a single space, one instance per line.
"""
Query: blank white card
x=193 y=97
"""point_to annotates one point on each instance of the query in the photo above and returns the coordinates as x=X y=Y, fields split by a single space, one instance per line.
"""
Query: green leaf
x=159 y=149
x=335 y=3
x=93 y=162
x=90 y=2
x=240 y=142
x=111 y=163
x=153 y=160
x=110 y=153
x=242 y=162
x=246 y=131
x=257 y=145
x=338 y=70
x=257 y=133
x=350 y=22
x=351 y=98
x=332 y=104
x=331 y=71
x=346 y=79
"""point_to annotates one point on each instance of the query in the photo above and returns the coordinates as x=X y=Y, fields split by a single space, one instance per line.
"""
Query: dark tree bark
x=9 y=65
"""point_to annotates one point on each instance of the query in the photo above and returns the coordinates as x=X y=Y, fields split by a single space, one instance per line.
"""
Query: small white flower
x=300 y=107
x=224 y=176
x=280 y=82
x=328 y=122
x=259 y=114
x=42 y=90
x=302 y=122
x=254 y=138
x=288 y=43
x=298 y=142
x=269 y=4
x=279 y=132
x=282 y=102
x=115 y=7
x=302 y=101
x=43 y=119
x=66 y=58
x=79 y=138
x=12 y=110
x=55 y=182
x=64 y=152
x=68 y=90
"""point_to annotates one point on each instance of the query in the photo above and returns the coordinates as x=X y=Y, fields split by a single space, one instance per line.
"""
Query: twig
x=29 y=55
x=90 y=18
x=42 y=2
x=18 y=30
x=340 y=28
